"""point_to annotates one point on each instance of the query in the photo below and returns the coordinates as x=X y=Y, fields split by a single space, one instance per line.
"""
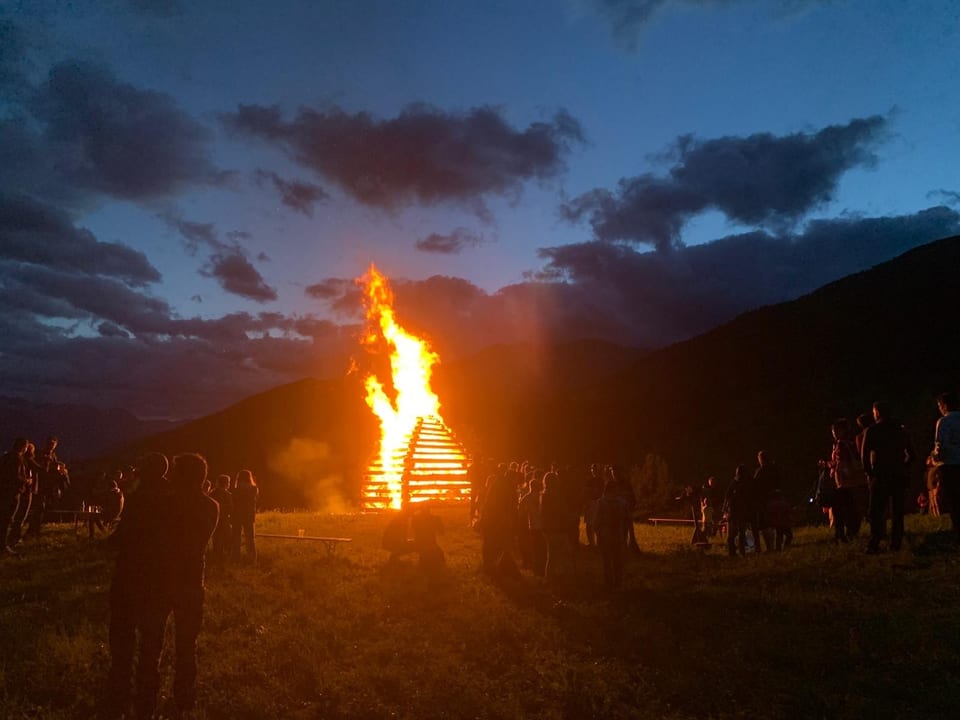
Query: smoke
x=305 y=464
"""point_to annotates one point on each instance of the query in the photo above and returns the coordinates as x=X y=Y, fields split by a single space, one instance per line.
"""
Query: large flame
x=411 y=365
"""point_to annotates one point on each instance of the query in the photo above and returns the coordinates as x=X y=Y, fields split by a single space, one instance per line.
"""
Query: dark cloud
x=328 y=289
x=263 y=257
x=195 y=234
x=238 y=235
x=951 y=197
x=237 y=275
x=760 y=180
x=108 y=329
x=228 y=264
x=295 y=194
x=663 y=297
x=83 y=134
x=628 y=18
x=423 y=155
x=452 y=244
x=32 y=232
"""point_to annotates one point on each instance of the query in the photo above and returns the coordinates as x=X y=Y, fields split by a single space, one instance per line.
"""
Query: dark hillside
x=306 y=441
x=775 y=378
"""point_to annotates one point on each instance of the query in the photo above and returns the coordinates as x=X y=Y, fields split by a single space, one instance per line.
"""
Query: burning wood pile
x=434 y=467
x=419 y=459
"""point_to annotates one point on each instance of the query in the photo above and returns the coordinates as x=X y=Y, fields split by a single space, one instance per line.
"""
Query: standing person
x=739 y=506
x=629 y=497
x=946 y=453
x=13 y=479
x=53 y=480
x=766 y=480
x=534 y=545
x=498 y=523
x=611 y=519
x=223 y=534
x=592 y=490
x=711 y=502
x=553 y=515
x=140 y=541
x=847 y=476
x=245 y=494
x=27 y=491
x=187 y=530
x=886 y=454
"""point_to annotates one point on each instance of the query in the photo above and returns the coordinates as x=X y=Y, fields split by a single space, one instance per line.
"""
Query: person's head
x=740 y=472
x=188 y=472
x=840 y=429
x=19 y=446
x=762 y=458
x=610 y=488
x=223 y=482
x=536 y=484
x=153 y=467
x=711 y=481
x=881 y=410
x=30 y=450
x=550 y=482
x=948 y=402
x=864 y=420
x=52 y=443
x=245 y=477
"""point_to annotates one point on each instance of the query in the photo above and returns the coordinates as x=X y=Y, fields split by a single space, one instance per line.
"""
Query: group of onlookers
x=538 y=512
x=172 y=515
x=30 y=482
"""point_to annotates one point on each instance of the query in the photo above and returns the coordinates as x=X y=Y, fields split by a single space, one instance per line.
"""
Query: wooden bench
x=79 y=517
x=670 y=521
x=330 y=542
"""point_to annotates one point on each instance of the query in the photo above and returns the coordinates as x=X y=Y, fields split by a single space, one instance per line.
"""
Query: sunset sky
x=189 y=187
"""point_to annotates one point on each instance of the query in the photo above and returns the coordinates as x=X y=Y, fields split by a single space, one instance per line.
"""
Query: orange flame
x=411 y=364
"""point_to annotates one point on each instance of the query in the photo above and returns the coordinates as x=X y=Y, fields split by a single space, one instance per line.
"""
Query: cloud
x=628 y=18
x=32 y=232
x=664 y=297
x=83 y=134
x=451 y=244
x=423 y=155
x=951 y=197
x=237 y=275
x=228 y=264
x=761 y=180
x=295 y=194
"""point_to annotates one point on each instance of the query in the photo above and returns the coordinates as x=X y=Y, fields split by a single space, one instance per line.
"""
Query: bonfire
x=419 y=459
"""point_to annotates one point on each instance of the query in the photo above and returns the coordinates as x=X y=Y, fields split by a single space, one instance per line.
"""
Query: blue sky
x=821 y=137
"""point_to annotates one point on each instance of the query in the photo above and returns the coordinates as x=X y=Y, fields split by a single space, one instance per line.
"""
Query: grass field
x=819 y=631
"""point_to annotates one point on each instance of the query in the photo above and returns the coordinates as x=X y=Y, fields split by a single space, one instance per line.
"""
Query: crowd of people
x=175 y=519
x=538 y=512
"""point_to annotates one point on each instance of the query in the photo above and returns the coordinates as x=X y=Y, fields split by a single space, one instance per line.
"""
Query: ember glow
x=418 y=457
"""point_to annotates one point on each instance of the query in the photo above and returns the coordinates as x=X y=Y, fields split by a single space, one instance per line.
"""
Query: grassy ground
x=817 y=632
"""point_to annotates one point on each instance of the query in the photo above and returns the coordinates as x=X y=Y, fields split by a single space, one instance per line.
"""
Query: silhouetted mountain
x=773 y=379
x=84 y=431
x=311 y=438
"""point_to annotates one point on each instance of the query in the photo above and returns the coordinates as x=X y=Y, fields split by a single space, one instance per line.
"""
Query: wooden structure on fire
x=433 y=467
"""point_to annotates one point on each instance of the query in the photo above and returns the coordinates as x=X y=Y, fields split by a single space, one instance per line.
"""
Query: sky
x=188 y=190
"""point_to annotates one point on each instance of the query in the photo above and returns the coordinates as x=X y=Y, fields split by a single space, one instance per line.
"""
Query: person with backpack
x=847 y=475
